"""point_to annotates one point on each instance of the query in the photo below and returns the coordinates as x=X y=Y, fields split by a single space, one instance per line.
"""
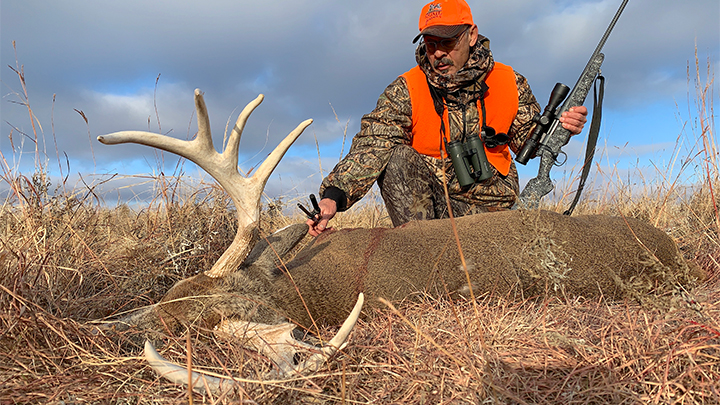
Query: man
x=456 y=91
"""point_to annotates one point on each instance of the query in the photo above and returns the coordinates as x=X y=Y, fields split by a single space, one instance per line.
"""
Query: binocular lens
x=458 y=156
x=480 y=163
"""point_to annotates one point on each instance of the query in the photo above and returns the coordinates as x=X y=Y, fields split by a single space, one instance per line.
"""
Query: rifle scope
x=558 y=94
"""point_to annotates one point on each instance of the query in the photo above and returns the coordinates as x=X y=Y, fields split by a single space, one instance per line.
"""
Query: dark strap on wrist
x=338 y=196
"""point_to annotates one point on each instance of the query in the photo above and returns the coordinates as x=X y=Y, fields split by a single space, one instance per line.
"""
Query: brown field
x=66 y=260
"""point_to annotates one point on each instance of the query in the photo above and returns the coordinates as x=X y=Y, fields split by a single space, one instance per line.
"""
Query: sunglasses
x=445 y=44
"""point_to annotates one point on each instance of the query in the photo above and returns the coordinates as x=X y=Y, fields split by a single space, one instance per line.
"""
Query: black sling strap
x=592 y=139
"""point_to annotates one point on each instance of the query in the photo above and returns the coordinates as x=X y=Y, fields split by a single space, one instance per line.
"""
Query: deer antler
x=274 y=341
x=244 y=192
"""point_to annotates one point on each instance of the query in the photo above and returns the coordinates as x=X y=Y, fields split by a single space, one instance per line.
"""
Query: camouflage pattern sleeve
x=387 y=126
x=527 y=108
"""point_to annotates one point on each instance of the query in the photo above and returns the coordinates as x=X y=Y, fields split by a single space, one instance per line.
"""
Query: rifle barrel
x=597 y=51
x=611 y=26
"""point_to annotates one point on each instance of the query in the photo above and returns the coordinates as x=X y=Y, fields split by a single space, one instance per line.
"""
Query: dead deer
x=252 y=292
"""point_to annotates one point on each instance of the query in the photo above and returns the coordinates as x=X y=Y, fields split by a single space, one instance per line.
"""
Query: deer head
x=275 y=340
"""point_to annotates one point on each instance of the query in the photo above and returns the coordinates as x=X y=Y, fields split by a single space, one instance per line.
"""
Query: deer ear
x=270 y=250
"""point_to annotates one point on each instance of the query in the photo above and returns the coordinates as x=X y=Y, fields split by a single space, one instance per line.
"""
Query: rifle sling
x=592 y=139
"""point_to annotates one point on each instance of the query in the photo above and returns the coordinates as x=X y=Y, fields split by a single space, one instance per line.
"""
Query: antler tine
x=314 y=362
x=266 y=168
x=179 y=375
x=233 y=144
x=203 y=140
x=246 y=193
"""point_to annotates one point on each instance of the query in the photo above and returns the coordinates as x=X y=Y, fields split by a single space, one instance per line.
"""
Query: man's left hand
x=574 y=119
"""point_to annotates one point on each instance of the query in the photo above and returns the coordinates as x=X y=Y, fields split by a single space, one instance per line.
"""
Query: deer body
x=526 y=253
x=511 y=252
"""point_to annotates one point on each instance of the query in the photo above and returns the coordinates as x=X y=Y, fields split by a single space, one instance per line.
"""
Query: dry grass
x=66 y=261
x=72 y=265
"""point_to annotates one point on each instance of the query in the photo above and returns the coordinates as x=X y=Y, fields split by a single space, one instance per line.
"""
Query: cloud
x=103 y=58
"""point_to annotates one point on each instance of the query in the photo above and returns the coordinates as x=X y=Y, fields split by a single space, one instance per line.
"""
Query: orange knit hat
x=444 y=18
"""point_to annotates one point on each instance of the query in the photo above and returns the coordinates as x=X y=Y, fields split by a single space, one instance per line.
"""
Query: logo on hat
x=434 y=7
x=434 y=11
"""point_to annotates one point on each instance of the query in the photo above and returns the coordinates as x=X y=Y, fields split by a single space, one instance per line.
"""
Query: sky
x=133 y=65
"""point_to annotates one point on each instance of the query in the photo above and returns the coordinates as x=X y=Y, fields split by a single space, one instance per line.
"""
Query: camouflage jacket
x=389 y=125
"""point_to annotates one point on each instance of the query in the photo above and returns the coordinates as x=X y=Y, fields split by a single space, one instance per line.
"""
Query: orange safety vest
x=501 y=105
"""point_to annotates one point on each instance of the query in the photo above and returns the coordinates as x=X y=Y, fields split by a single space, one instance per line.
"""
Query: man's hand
x=574 y=119
x=328 y=208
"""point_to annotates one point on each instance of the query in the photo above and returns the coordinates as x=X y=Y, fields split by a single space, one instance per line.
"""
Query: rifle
x=549 y=136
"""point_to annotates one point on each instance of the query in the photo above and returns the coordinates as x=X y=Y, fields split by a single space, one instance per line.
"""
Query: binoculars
x=469 y=160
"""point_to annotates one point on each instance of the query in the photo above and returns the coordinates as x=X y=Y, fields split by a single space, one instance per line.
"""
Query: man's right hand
x=328 y=208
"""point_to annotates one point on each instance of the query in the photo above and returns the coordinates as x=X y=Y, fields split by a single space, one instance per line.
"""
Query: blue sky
x=308 y=58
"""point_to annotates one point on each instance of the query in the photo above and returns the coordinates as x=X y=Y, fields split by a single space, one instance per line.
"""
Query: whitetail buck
x=251 y=292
